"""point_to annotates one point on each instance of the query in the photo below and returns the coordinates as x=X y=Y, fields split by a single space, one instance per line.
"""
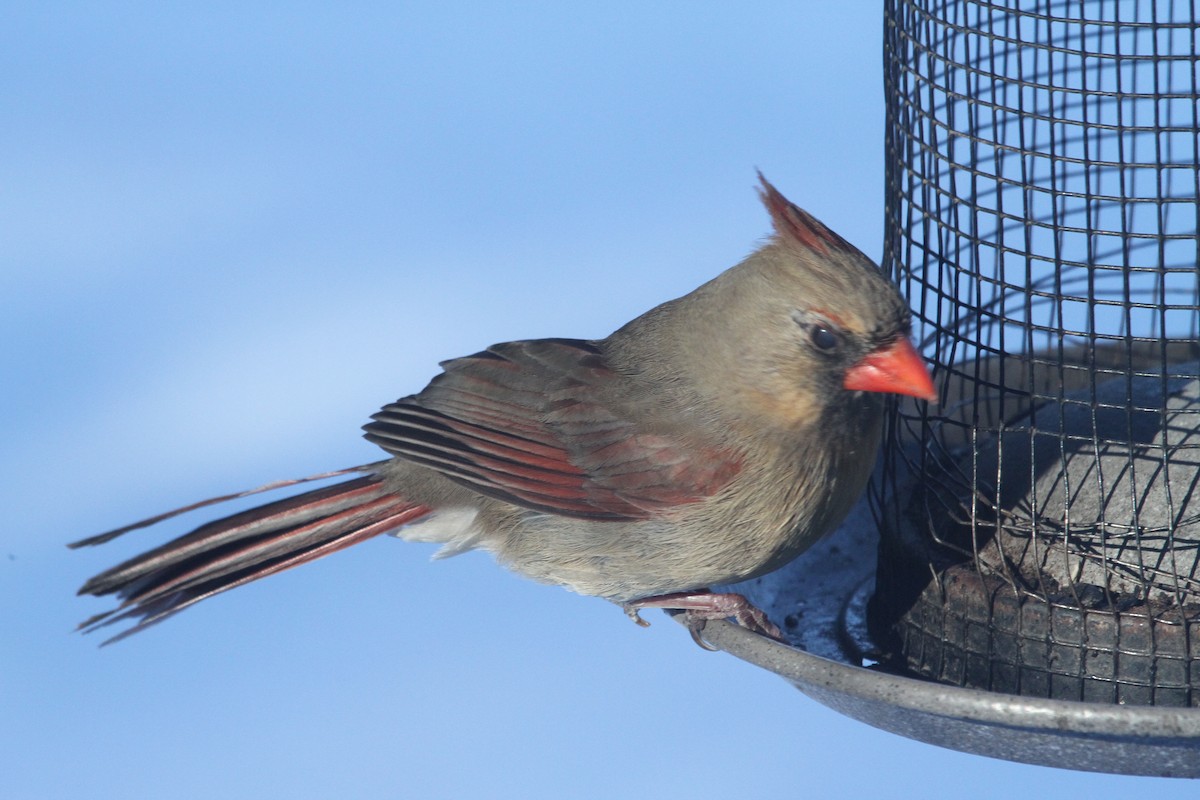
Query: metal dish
x=818 y=600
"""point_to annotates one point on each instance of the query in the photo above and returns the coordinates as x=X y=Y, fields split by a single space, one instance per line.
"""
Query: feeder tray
x=821 y=600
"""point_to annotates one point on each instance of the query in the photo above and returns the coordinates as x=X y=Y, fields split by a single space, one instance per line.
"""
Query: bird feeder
x=1027 y=582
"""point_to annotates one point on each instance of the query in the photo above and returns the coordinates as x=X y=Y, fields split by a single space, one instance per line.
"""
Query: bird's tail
x=244 y=547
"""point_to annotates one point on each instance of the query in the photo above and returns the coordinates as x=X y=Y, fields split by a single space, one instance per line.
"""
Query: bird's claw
x=701 y=606
x=631 y=611
x=695 y=625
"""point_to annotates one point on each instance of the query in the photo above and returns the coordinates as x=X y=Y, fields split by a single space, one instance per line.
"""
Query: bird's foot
x=701 y=606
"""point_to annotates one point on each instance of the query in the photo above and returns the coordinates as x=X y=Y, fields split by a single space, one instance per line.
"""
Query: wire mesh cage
x=1043 y=202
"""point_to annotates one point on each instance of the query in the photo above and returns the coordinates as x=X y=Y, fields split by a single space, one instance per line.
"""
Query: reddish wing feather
x=524 y=422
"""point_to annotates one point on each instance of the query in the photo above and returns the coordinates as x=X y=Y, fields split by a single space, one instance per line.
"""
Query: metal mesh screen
x=1041 y=529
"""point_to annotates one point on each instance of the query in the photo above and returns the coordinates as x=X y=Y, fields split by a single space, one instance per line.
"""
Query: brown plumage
x=710 y=440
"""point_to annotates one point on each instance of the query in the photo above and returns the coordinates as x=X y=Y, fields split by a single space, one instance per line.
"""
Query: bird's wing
x=526 y=422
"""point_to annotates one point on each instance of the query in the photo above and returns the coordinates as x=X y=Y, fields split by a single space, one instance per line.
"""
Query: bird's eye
x=825 y=335
x=823 y=338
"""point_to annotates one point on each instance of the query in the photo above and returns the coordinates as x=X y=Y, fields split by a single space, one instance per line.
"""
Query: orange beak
x=895 y=369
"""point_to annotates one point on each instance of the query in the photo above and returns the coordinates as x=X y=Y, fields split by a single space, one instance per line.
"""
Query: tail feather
x=229 y=552
x=270 y=487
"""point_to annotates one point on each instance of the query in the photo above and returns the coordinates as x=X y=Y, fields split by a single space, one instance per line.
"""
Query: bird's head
x=808 y=319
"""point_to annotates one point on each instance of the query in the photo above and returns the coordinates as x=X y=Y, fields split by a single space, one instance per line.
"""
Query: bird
x=708 y=441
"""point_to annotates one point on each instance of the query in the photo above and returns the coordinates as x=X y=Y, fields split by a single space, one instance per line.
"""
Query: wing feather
x=528 y=422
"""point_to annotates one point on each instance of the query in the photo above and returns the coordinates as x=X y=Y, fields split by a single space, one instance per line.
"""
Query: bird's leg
x=701 y=606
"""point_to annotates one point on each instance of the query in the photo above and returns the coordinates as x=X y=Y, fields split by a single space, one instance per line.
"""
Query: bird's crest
x=795 y=226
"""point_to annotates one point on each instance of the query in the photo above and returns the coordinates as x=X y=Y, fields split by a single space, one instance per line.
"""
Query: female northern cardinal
x=710 y=440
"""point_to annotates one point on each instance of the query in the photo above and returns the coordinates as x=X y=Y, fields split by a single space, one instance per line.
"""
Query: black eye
x=824 y=334
x=823 y=338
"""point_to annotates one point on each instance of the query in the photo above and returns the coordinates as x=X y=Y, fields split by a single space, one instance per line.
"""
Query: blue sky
x=229 y=236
